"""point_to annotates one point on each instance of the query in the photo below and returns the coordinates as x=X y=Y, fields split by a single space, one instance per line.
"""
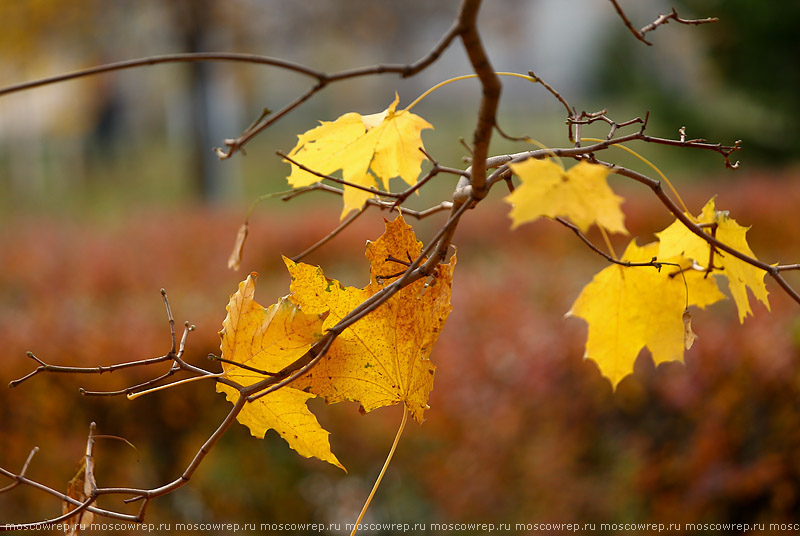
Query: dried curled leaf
x=238 y=248
x=382 y=146
x=383 y=359
x=79 y=489
x=689 y=336
x=268 y=339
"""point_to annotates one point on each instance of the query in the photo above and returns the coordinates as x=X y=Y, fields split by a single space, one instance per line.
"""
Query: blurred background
x=109 y=191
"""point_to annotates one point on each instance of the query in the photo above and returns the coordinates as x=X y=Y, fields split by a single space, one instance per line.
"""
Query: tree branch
x=667 y=201
x=660 y=20
x=490 y=98
x=337 y=180
x=330 y=236
x=191 y=57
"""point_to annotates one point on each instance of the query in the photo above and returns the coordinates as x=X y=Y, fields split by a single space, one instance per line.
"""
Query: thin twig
x=240 y=365
x=660 y=20
x=44 y=367
x=323 y=79
x=501 y=161
x=22 y=471
x=48 y=523
x=587 y=118
x=434 y=171
x=610 y=258
x=629 y=24
x=149 y=494
x=337 y=180
x=171 y=321
x=89 y=462
x=63 y=497
x=383 y=205
x=655 y=185
x=509 y=137
x=330 y=236
x=190 y=57
x=132 y=388
x=561 y=99
x=403 y=70
x=664 y=19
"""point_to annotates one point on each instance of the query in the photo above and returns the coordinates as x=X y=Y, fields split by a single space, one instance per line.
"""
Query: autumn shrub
x=522 y=428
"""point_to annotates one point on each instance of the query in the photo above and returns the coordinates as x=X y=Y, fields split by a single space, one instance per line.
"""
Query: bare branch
x=587 y=118
x=660 y=20
x=261 y=123
x=176 y=356
x=629 y=25
x=383 y=205
x=337 y=180
x=138 y=494
x=574 y=228
x=213 y=357
x=22 y=472
x=561 y=99
x=170 y=321
x=132 y=388
x=330 y=236
x=655 y=185
x=44 y=367
x=664 y=19
x=81 y=505
x=501 y=161
x=47 y=523
x=435 y=170
x=191 y=57
x=405 y=71
x=490 y=97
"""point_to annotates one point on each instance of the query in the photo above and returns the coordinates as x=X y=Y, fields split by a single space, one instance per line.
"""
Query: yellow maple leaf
x=382 y=359
x=581 y=194
x=629 y=308
x=678 y=240
x=269 y=339
x=387 y=143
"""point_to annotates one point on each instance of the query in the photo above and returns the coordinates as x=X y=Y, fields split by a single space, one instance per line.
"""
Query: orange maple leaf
x=383 y=358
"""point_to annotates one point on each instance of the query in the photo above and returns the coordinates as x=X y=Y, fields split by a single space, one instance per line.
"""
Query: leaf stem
x=458 y=79
x=607 y=240
x=132 y=396
x=383 y=470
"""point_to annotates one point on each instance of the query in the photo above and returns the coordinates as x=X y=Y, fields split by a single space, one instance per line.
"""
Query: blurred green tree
x=749 y=65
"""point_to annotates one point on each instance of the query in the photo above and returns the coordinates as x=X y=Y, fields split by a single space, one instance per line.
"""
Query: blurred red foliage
x=521 y=429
